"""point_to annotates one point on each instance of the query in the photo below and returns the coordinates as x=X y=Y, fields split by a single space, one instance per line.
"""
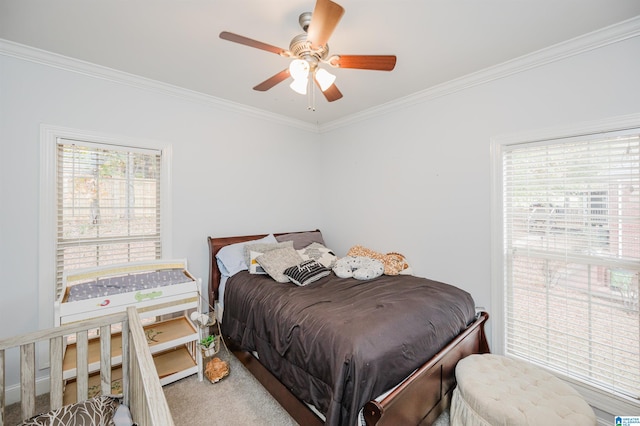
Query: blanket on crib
x=98 y=411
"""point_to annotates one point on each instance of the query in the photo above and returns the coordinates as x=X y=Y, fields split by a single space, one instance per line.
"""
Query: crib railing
x=146 y=399
x=140 y=383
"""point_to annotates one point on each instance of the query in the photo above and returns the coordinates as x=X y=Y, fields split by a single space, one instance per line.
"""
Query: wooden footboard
x=421 y=398
x=141 y=386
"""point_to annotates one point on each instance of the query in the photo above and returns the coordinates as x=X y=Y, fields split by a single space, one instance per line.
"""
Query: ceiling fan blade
x=332 y=93
x=364 y=62
x=225 y=35
x=272 y=81
x=324 y=20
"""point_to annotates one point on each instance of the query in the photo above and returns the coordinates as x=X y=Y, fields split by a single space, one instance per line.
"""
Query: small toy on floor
x=216 y=370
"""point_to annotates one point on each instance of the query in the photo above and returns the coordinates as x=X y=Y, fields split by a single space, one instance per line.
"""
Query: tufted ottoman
x=495 y=390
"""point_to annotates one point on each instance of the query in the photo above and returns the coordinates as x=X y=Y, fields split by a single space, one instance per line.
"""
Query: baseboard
x=12 y=393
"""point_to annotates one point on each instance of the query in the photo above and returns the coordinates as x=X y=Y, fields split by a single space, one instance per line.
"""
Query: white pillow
x=358 y=267
x=230 y=258
x=276 y=261
x=253 y=250
x=320 y=253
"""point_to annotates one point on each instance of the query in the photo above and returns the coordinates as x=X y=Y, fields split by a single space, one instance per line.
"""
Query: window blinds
x=108 y=201
x=571 y=211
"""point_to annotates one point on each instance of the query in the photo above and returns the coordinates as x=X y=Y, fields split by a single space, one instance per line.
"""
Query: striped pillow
x=306 y=272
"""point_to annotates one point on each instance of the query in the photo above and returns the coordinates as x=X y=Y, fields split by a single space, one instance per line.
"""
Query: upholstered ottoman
x=495 y=390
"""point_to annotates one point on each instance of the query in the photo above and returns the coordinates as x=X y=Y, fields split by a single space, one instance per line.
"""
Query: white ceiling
x=177 y=42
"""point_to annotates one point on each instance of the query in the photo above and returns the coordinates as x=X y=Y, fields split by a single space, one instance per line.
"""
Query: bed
x=295 y=340
x=142 y=396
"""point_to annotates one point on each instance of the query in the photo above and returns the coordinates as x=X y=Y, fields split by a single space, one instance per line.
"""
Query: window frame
x=595 y=396
x=49 y=136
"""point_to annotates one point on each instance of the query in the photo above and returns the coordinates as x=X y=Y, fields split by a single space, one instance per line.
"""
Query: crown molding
x=575 y=46
x=54 y=60
x=588 y=42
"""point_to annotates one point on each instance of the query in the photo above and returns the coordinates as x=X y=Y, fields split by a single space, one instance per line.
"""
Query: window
x=570 y=257
x=103 y=199
x=108 y=204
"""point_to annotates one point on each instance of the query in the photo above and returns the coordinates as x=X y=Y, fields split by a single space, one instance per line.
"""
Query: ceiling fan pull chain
x=311 y=98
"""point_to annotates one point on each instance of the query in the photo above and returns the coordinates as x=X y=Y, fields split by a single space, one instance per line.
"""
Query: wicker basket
x=211 y=319
x=209 y=351
x=203 y=320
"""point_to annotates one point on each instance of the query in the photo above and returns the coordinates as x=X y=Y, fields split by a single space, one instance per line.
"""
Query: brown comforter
x=338 y=343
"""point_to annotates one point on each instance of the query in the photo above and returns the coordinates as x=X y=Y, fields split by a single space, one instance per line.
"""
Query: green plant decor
x=208 y=341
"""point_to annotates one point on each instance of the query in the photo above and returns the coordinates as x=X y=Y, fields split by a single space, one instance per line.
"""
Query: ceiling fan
x=310 y=49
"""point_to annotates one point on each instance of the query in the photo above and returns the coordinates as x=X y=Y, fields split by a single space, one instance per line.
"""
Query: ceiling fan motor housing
x=300 y=47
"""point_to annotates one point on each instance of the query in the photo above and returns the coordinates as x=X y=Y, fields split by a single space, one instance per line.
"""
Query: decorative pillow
x=97 y=411
x=320 y=253
x=306 y=272
x=254 y=266
x=258 y=249
x=358 y=267
x=276 y=261
x=231 y=258
x=302 y=239
x=394 y=263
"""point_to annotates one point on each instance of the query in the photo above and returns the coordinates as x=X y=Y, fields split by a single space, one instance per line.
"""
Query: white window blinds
x=108 y=205
x=571 y=215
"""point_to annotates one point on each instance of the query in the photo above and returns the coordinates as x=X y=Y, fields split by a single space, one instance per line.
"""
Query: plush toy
x=394 y=263
x=358 y=267
x=216 y=370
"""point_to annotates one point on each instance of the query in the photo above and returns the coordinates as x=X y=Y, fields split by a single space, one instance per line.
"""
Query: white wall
x=232 y=173
x=417 y=181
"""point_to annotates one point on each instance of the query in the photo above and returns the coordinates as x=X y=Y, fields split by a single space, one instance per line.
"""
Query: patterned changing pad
x=125 y=283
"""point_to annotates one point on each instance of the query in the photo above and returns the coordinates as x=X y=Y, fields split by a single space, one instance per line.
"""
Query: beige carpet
x=239 y=399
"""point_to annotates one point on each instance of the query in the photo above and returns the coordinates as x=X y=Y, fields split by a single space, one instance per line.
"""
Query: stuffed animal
x=394 y=263
x=358 y=267
x=216 y=370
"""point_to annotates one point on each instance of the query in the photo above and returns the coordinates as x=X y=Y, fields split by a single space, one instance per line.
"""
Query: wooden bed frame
x=419 y=400
x=143 y=393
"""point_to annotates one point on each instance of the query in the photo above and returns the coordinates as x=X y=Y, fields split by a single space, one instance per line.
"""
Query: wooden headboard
x=215 y=244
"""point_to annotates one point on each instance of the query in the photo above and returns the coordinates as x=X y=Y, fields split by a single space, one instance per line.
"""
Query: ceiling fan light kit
x=310 y=49
x=325 y=78
x=299 y=69
x=299 y=85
